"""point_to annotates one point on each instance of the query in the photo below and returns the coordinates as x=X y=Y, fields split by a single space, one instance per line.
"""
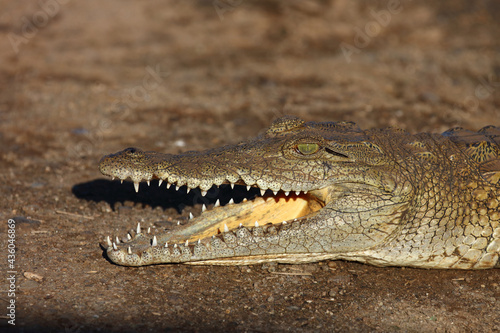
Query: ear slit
x=333 y=152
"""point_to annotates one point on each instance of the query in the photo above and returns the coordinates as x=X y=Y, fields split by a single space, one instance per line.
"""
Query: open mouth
x=276 y=209
x=229 y=230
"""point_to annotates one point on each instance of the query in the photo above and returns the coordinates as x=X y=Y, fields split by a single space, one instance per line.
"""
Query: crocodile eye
x=307 y=148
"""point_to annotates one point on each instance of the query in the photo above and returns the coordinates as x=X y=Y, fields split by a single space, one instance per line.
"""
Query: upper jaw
x=140 y=166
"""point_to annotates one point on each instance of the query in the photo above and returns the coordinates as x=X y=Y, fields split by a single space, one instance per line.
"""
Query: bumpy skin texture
x=386 y=197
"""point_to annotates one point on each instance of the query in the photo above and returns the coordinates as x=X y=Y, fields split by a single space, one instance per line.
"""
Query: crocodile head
x=324 y=191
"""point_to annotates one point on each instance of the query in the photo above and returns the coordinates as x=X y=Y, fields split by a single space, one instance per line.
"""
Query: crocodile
x=328 y=190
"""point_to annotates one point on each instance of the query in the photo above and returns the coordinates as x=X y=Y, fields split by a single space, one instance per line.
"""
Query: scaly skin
x=383 y=197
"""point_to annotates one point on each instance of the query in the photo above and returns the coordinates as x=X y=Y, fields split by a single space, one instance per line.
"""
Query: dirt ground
x=81 y=79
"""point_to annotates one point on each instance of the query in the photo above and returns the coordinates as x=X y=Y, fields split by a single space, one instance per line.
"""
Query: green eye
x=307 y=148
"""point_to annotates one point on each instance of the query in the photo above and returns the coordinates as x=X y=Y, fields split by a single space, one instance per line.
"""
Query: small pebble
x=33 y=276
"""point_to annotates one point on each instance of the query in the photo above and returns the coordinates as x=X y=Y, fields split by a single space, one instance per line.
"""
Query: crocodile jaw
x=250 y=217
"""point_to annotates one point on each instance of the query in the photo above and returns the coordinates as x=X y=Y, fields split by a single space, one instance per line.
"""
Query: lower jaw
x=283 y=258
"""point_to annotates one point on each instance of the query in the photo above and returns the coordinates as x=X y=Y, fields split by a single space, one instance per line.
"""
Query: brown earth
x=80 y=79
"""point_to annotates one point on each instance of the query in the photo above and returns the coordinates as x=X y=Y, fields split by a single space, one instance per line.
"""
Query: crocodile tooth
x=203 y=192
x=149 y=230
x=217 y=203
x=256 y=224
x=297 y=192
x=108 y=240
x=226 y=229
x=136 y=186
x=175 y=245
x=187 y=242
x=305 y=192
x=138 y=227
x=159 y=182
x=203 y=208
x=148 y=182
x=232 y=186
x=129 y=237
x=112 y=178
x=199 y=241
x=168 y=185
x=275 y=192
x=231 y=201
x=121 y=181
x=129 y=250
x=262 y=192
x=249 y=187
x=244 y=200
x=188 y=189
x=154 y=242
x=287 y=193
x=284 y=222
x=178 y=222
x=177 y=187
x=241 y=225
x=114 y=246
x=117 y=240
x=166 y=244
x=190 y=217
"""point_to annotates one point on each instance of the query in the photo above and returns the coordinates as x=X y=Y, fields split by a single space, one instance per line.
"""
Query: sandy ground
x=81 y=79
